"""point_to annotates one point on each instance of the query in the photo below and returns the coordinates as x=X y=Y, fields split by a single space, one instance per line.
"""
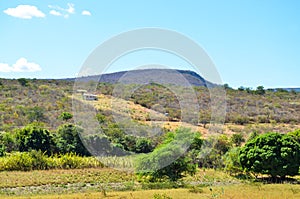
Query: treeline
x=34 y=147
x=273 y=154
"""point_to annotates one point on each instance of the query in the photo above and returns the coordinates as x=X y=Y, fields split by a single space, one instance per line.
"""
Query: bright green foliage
x=68 y=140
x=271 y=153
x=34 y=137
x=37 y=160
x=231 y=161
x=295 y=135
x=167 y=161
x=66 y=116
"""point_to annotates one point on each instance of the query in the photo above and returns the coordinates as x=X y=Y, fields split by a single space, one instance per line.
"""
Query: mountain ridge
x=192 y=77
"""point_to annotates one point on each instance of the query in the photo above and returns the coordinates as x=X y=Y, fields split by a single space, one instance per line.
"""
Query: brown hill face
x=140 y=76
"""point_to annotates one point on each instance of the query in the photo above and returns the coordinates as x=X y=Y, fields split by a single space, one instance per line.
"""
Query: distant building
x=90 y=97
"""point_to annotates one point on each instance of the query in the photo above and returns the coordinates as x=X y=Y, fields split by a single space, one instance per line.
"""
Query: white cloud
x=55 y=13
x=71 y=8
x=64 y=12
x=21 y=65
x=86 y=12
x=24 y=12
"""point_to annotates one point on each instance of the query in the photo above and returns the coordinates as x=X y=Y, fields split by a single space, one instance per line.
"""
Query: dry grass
x=43 y=177
x=153 y=118
x=242 y=191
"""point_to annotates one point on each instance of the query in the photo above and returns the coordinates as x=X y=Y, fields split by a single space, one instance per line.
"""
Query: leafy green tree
x=248 y=90
x=34 y=137
x=66 y=116
x=260 y=90
x=143 y=145
x=241 y=88
x=68 y=140
x=271 y=153
x=226 y=86
x=7 y=142
x=23 y=81
x=156 y=164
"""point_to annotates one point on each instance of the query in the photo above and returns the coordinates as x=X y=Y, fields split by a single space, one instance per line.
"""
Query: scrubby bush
x=231 y=161
x=212 y=152
x=65 y=116
x=237 y=139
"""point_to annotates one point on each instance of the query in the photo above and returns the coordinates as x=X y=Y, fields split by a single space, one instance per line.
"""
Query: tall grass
x=37 y=160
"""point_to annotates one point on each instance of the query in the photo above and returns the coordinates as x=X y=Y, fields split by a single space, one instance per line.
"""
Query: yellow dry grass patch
x=241 y=191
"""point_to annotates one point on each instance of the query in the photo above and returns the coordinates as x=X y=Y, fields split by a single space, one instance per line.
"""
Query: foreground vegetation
x=108 y=183
x=232 y=191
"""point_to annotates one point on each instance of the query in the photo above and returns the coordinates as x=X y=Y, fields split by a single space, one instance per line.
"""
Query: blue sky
x=251 y=42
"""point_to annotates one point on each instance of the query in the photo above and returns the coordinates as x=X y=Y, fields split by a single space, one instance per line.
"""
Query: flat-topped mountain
x=139 y=76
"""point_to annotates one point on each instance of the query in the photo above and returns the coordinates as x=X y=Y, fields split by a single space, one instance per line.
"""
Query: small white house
x=90 y=97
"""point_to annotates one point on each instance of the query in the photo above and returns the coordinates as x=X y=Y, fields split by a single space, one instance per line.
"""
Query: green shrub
x=37 y=160
x=169 y=160
x=161 y=196
x=65 y=116
x=231 y=161
x=68 y=140
x=271 y=153
x=34 y=137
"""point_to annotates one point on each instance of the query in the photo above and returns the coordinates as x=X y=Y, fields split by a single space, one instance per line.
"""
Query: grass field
x=242 y=191
x=108 y=183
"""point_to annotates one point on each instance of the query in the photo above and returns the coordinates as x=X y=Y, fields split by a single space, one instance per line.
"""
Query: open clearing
x=90 y=183
x=242 y=191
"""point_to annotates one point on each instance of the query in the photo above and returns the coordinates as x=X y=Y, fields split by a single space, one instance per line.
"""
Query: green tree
x=23 y=81
x=34 y=137
x=260 y=90
x=143 y=145
x=7 y=142
x=68 y=140
x=271 y=153
x=66 y=116
x=156 y=164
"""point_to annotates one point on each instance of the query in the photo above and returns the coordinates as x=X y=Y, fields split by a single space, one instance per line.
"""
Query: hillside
x=26 y=100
